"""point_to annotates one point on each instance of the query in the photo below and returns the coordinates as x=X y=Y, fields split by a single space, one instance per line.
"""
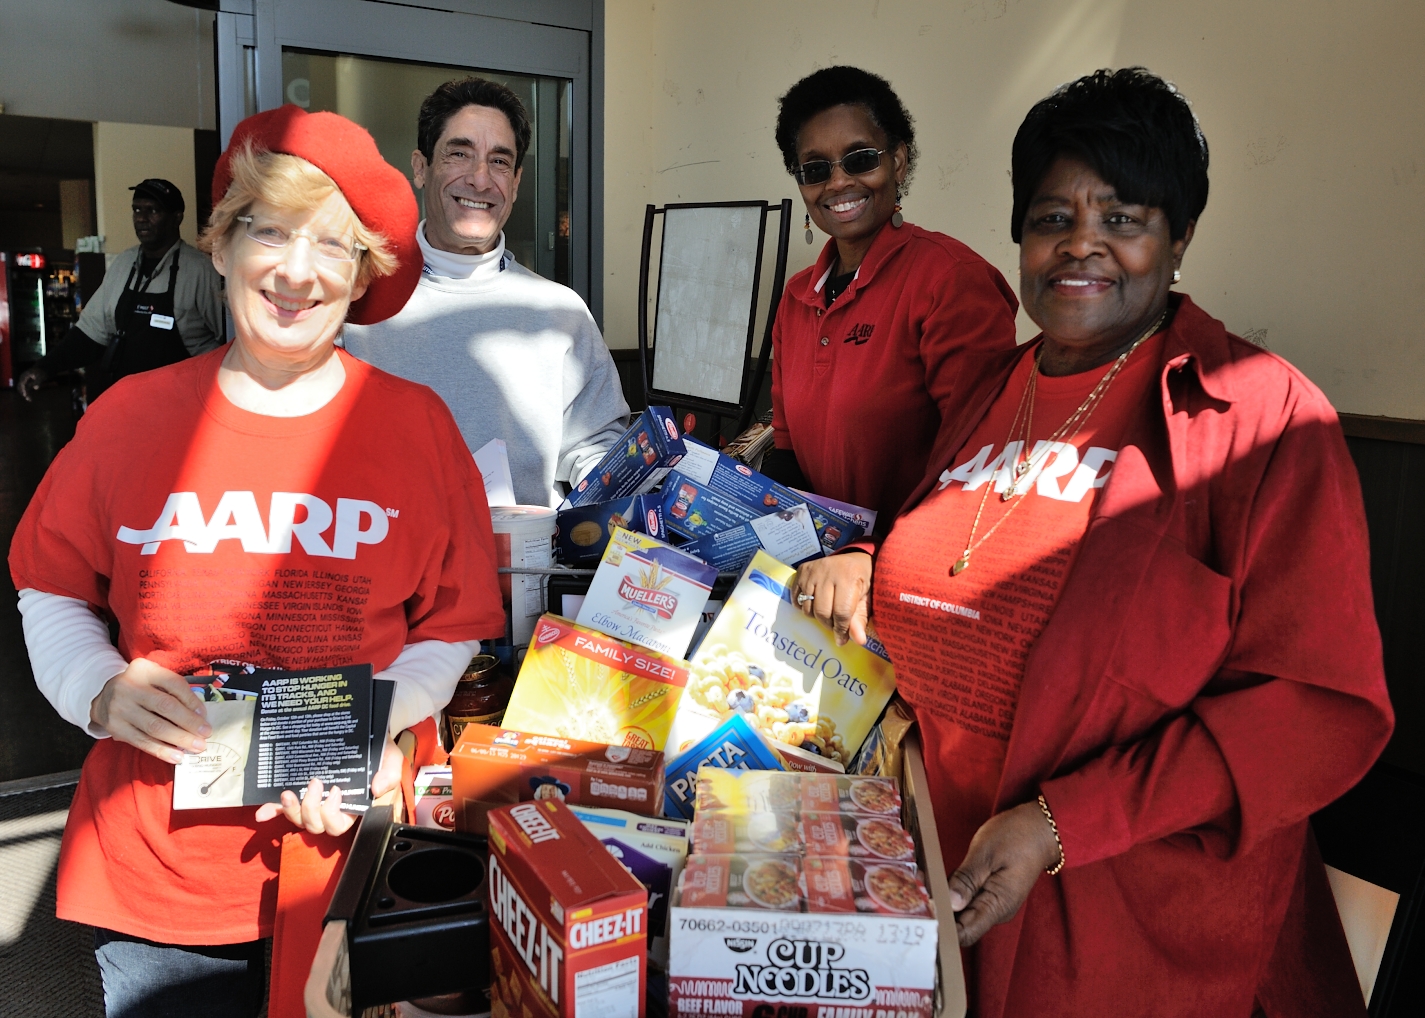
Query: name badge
x=161 y=321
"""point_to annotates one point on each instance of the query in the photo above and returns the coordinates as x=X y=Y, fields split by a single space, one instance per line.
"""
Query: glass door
x=374 y=63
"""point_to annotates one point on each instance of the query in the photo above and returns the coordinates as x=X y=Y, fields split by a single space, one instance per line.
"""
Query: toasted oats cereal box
x=579 y=684
x=782 y=671
x=647 y=592
x=856 y=836
x=851 y=885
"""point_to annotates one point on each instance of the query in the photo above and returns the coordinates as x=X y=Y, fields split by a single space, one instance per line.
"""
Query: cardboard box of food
x=648 y=593
x=493 y=767
x=704 y=465
x=788 y=535
x=569 y=925
x=733 y=745
x=435 y=800
x=577 y=683
x=853 y=836
x=782 y=669
x=851 y=885
x=637 y=462
x=582 y=533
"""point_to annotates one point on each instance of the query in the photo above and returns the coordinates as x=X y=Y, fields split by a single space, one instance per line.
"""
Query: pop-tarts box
x=637 y=462
x=582 y=533
x=705 y=466
x=734 y=745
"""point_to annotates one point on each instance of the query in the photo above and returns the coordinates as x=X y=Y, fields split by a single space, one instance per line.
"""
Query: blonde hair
x=288 y=182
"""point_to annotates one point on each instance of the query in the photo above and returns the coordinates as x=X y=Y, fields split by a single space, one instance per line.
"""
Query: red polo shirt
x=859 y=388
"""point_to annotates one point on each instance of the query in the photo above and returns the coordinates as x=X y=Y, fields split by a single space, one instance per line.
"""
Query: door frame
x=554 y=38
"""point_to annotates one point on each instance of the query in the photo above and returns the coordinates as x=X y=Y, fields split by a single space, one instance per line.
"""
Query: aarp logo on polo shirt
x=357 y=521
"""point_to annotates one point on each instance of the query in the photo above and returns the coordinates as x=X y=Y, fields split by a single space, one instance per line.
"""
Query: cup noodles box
x=719 y=472
x=850 y=835
x=740 y=791
x=734 y=745
x=716 y=833
x=760 y=936
x=576 y=683
x=434 y=802
x=783 y=671
x=569 y=924
x=648 y=593
x=636 y=463
x=494 y=767
x=582 y=533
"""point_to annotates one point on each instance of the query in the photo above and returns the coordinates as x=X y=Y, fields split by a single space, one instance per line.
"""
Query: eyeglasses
x=818 y=171
x=328 y=249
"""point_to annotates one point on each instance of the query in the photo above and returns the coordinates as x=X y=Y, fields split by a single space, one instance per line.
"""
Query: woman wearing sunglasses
x=274 y=501
x=876 y=342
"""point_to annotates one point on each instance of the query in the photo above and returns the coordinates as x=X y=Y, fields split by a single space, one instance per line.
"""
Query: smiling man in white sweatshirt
x=514 y=355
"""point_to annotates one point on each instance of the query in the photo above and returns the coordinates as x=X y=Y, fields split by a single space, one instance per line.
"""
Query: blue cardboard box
x=582 y=533
x=734 y=480
x=735 y=745
x=637 y=461
x=694 y=509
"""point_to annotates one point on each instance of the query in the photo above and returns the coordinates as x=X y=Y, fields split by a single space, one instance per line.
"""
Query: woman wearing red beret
x=879 y=341
x=1130 y=603
x=191 y=494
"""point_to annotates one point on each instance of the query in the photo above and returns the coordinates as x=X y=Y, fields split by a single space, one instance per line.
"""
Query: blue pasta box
x=734 y=745
x=693 y=509
x=788 y=535
x=734 y=480
x=637 y=462
x=582 y=533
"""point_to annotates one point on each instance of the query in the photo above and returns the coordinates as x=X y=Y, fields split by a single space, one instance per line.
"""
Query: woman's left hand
x=318 y=815
x=1006 y=858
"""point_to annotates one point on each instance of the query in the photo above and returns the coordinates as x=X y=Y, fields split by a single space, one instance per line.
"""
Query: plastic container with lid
x=524 y=539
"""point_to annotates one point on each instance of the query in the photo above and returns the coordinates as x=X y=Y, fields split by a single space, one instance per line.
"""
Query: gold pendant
x=961 y=564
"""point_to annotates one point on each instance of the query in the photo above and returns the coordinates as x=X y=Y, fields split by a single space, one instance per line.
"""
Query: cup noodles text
x=569 y=924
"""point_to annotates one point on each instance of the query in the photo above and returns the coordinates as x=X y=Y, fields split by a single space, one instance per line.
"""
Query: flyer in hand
x=275 y=731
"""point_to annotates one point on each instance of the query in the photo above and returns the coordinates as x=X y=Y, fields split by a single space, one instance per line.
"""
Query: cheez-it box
x=569 y=922
x=493 y=767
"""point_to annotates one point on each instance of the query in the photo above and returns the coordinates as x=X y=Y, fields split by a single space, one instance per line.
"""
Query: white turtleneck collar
x=476 y=269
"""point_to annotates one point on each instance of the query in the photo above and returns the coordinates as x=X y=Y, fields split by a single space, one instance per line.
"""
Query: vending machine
x=38 y=304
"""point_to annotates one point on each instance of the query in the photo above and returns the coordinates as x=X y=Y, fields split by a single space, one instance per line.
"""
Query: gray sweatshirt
x=515 y=356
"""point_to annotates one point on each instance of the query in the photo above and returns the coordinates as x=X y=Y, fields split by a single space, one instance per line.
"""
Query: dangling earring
x=897 y=220
x=808 y=227
x=1177 y=276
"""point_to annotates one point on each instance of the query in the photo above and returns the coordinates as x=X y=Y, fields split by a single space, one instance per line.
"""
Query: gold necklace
x=1029 y=469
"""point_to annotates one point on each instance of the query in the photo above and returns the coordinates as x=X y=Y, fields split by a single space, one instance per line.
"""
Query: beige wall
x=125 y=154
x=1313 y=239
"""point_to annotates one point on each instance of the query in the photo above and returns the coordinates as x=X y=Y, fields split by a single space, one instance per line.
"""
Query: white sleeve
x=70 y=654
x=425 y=674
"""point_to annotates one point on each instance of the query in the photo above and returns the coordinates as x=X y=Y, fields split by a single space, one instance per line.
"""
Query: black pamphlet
x=276 y=730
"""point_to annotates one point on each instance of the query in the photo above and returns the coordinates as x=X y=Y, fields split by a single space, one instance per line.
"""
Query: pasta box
x=733 y=746
x=648 y=593
x=581 y=534
x=788 y=535
x=569 y=924
x=493 y=767
x=636 y=463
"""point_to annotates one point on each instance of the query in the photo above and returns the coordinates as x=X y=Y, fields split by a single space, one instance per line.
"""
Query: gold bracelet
x=1044 y=806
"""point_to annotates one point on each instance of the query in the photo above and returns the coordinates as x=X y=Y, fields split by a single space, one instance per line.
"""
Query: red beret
x=379 y=193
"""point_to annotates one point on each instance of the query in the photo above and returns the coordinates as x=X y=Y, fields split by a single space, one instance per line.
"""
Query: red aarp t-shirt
x=959 y=643
x=211 y=532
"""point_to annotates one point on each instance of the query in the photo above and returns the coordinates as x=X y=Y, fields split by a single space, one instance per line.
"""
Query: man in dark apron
x=131 y=325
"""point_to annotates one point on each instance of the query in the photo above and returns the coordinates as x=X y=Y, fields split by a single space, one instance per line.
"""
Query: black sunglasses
x=818 y=171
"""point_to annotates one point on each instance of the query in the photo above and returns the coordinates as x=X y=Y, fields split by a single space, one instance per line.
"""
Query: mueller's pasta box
x=569 y=925
x=648 y=593
x=734 y=745
x=852 y=885
x=576 y=683
x=493 y=767
x=798 y=955
x=582 y=533
x=636 y=463
x=783 y=671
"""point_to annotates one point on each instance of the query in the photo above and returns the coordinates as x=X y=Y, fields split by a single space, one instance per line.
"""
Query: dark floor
x=33 y=739
x=47 y=966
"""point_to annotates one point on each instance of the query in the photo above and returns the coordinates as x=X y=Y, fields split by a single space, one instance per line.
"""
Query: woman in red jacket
x=871 y=343
x=1131 y=607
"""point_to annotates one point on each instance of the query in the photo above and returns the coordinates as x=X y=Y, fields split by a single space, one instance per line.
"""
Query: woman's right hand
x=836 y=590
x=154 y=709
